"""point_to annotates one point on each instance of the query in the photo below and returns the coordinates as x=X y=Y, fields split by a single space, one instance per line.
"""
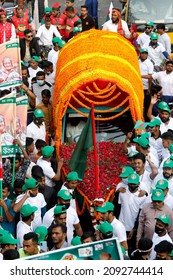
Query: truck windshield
x=141 y=11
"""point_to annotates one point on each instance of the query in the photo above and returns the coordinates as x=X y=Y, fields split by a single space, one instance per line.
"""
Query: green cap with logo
x=132 y=154
x=105 y=228
x=165 y=219
x=140 y=125
x=73 y=176
x=143 y=51
x=162 y=184
x=154 y=122
x=133 y=179
x=150 y=23
x=106 y=206
x=30 y=183
x=59 y=209
x=168 y=163
x=154 y=36
x=27 y=210
x=145 y=134
x=38 y=113
x=126 y=171
x=47 y=10
x=163 y=106
x=157 y=195
x=42 y=232
x=76 y=241
x=47 y=151
x=8 y=238
x=58 y=41
x=35 y=58
x=64 y=194
x=142 y=141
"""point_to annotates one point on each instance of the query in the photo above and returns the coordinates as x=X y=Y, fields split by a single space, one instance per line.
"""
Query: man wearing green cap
x=34 y=66
x=155 y=139
x=150 y=211
x=34 y=198
x=25 y=224
x=155 y=50
x=58 y=43
x=7 y=241
x=45 y=163
x=105 y=230
x=160 y=234
x=145 y=36
x=72 y=222
x=37 y=129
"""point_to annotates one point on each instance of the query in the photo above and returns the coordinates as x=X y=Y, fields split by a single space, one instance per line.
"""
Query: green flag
x=78 y=159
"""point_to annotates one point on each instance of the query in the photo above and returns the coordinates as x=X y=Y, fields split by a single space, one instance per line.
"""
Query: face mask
x=159 y=230
x=67 y=205
x=125 y=181
x=133 y=188
x=40 y=82
x=39 y=121
x=48 y=72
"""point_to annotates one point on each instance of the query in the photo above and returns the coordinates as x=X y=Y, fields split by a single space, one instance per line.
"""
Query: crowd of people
x=37 y=205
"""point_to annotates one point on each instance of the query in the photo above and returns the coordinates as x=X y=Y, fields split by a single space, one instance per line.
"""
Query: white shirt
x=119 y=230
x=170 y=182
x=155 y=53
x=130 y=205
x=109 y=25
x=165 y=81
x=165 y=126
x=156 y=144
x=72 y=219
x=33 y=72
x=146 y=181
x=50 y=78
x=37 y=201
x=50 y=55
x=165 y=40
x=35 y=132
x=46 y=35
x=71 y=191
x=55 y=59
x=146 y=68
x=22 y=228
x=48 y=171
x=142 y=39
x=156 y=240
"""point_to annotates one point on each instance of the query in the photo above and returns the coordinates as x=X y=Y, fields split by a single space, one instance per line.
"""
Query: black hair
x=163 y=246
x=84 y=7
x=4 y=92
x=18 y=157
x=11 y=254
x=160 y=26
x=169 y=62
x=155 y=88
x=26 y=218
x=37 y=172
x=109 y=234
x=29 y=141
x=31 y=235
x=88 y=234
x=27 y=31
x=40 y=143
x=40 y=73
x=6 y=185
x=47 y=19
x=62 y=226
x=140 y=156
x=47 y=64
x=168 y=135
x=144 y=244
x=18 y=183
x=46 y=92
x=70 y=9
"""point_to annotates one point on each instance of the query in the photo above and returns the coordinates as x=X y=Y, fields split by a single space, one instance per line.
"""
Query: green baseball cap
x=107 y=206
x=59 y=41
x=163 y=106
x=140 y=125
x=165 y=219
x=145 y=134
x=168 y=163
x=41 y=231
x=171 y=148
x=154 y=122
x=35 y=58
x=76 y=241
x=30 y=183
x=47 y=151
x=38 y=113
x=3 y=231
x=73 y=176
x=7 y=238
x=142 y=141
x=77 y=29
x=47 y=10
x=105 y=228
x=64 y=194
x=126 y=171
x=154 y=36
x=27 y=210
x=143 y=51
x=150 y=23
x=59 y=209
x=133 y=179
x=162 y=184
x=132 y=154
x=157 y=195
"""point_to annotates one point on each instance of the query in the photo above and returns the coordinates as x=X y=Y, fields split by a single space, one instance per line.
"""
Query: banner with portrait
x=10 y=65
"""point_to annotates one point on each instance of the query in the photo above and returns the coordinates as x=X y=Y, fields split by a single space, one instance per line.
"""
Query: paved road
x=103 y=6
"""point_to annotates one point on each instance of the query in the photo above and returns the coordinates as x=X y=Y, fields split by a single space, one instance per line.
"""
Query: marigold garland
x=91 y=69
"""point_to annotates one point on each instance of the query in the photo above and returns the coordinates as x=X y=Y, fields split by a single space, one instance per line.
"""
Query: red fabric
x=7 y=29
x=56 y=5
x=70 y=25
x=21 y=24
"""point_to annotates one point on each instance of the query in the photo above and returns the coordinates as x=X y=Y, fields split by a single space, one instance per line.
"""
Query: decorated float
x=100 y=68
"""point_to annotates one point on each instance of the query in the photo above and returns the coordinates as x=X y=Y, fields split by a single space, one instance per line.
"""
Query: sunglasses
x=30 y=36
x=147 y=27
